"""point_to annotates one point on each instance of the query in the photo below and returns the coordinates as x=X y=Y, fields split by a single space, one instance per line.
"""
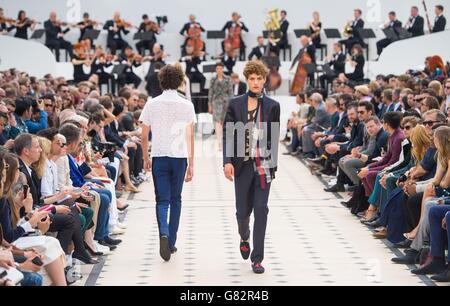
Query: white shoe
x=101 y=248
x=122 y=225
x=116 y=231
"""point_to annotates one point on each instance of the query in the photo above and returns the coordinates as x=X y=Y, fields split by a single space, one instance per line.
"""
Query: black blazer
x=439 y=24
x=310 y=49
x=33 y=183
x=359 y=25
x=112 y=134
x=110 y=23
x=256 y=51
x=237 y=114
x=284 y=26
x=417 y=28
x=242 y=88
x=51 y=32
x=338 y=63
x=187 y=26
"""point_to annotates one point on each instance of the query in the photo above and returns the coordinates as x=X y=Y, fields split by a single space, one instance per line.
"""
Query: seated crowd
x=67 y=154
x=388 y=144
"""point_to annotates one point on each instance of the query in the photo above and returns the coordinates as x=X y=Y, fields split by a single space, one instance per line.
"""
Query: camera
x=161 y=20
x=107 y=149
x=402 y=178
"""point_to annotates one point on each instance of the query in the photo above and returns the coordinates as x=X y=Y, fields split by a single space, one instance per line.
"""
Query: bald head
x=304 y=40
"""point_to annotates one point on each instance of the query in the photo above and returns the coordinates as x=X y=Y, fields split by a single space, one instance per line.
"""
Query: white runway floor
x=311 y=238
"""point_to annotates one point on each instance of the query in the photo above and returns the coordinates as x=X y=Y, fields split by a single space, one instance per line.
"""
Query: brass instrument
x=273 y=24
x=348 y=30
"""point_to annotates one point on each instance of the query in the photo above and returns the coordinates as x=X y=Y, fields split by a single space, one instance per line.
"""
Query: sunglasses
x=361 y=112
x=407 y=127
x=430 y=123
x=62 y=145
x=447 y=87
x=48 y=105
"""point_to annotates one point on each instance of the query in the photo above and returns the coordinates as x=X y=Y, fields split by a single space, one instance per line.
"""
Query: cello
x=301 y=74
x=195 y=39
x=274 y=78
x=234 y=36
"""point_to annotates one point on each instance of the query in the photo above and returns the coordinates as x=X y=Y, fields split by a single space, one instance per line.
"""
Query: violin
x=91 y=23
x=58 y=24
x=195 y=39
x=152 y=26
x=7 y=20
x=83 y=50
x=124 y=24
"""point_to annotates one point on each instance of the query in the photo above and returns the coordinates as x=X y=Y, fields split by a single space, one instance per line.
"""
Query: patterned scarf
x=261 y=161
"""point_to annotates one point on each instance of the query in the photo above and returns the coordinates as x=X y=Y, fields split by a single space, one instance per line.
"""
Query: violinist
x=81 y=62
x=3 y=23
x=100 y=61
x=147 y=26
x=130 y=60
x=86 y=24
x=234 y=28
x=157 y=61
x=192 y=61
x=189 y=27
x=22 y=24
x=54 y=36
x=115 y=28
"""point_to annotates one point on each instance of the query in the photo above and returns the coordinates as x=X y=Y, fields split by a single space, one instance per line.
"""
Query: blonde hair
x=442 y=136
x=420 y=142
x=39 y=166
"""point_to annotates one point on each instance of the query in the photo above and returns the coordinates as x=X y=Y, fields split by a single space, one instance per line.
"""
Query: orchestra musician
x=351 y=30
x=228 y=58
x=239 y=87
x=130 y=60
x=439 y=21
x=308 y=50
x=115 y=28
x=4 y=23
x=147 y=26
x=259 y=50
x=336 y=61
x=394 y=24
x=22 y=25
x=157 y=61
x=54 y=36
x=315 y=26
x=80 y=60
x=100 y=61
x=284 y=26
x=87 y=24
x=356 y=60
x=192 y=60
x=234 y=28
x=415 y=23
x=188 y=27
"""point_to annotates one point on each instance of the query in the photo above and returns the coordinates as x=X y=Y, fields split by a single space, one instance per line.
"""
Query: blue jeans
x=439 y=236
x=102 y=231
x=31 y=279
x=168 y=177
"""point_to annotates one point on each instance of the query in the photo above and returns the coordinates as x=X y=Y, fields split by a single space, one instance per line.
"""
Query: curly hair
x=171 y=77
x=255 y=67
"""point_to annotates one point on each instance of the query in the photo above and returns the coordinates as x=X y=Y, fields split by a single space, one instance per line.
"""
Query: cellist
x=234 y=27
x=306 y=55
x=191 y=26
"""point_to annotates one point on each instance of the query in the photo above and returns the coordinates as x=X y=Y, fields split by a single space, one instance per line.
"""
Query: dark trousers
x=381 y=44
x=64 y=225
x=438 y=236
x=102 y=231
x=129 y=78
x=168 y=178
x=349 y=43
x=413 y=208
x=58 y=44
x=326 y=79
x=197 y=77
x=250 y=197
x=117 y=44
x=144 y=45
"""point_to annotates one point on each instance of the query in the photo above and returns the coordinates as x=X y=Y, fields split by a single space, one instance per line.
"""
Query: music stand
x=327 y=70
x=209 y=68
x=301 y=32
x=91 y=34
x=215 y=35
x=402 y=33
x=277 y=34
x=37 y=34
x=271 y=61
x=118 y=69
x=332 y=33
x=147 y=36
x=366 y=33
x=390 y=34
x=137 y=36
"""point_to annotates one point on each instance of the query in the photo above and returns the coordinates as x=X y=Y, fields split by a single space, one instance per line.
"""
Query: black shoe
x=436 y=266
x=164 y=249
x=374 y=223
x=328 y=172
x=410 y=258
x=91 y=251
x=319 y=161
x=173 y=250
x=112 y=241
x=85 y=259
x=110 y=246
x=123 y=207
x=244 y=247
x=443 y=277
x=257 y=268
x=403 y=245
x=335 y=188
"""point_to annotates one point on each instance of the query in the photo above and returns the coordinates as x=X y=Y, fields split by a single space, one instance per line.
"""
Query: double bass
x=301 y=74
x=234 y=36
x=195 y=39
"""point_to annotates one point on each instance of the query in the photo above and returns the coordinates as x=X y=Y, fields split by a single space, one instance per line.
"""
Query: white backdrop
x=214 y=13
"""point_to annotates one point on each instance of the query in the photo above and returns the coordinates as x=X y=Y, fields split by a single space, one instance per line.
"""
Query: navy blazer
x=356 y=137
x=237 y=112
x=439 y=24
x=381 y=143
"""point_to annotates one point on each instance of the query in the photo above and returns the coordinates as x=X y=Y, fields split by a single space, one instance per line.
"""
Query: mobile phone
x=3 y=274
x=25 y=191
x=37 y=261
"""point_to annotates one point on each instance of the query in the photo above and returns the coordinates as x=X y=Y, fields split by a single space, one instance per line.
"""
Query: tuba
x=273 y=24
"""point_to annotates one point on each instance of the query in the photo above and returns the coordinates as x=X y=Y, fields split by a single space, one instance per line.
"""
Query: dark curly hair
x=171 y=77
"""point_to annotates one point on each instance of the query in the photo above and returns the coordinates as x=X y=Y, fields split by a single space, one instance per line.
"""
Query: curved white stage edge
x=26 y=55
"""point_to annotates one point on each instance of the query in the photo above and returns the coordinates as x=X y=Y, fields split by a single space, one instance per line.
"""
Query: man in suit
x=239 y=87
x=439 y=21
x=115 y=40
x=356 y=38
x=394 y=23
x=258 y=51
x=144 y=27
x=336 y=62
x=415 y=23
x=54 y=36
x=321 y=122
x=308 y=47
x=250 y=147
x=388 y=104
x=185 y=30
x=284 y=26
